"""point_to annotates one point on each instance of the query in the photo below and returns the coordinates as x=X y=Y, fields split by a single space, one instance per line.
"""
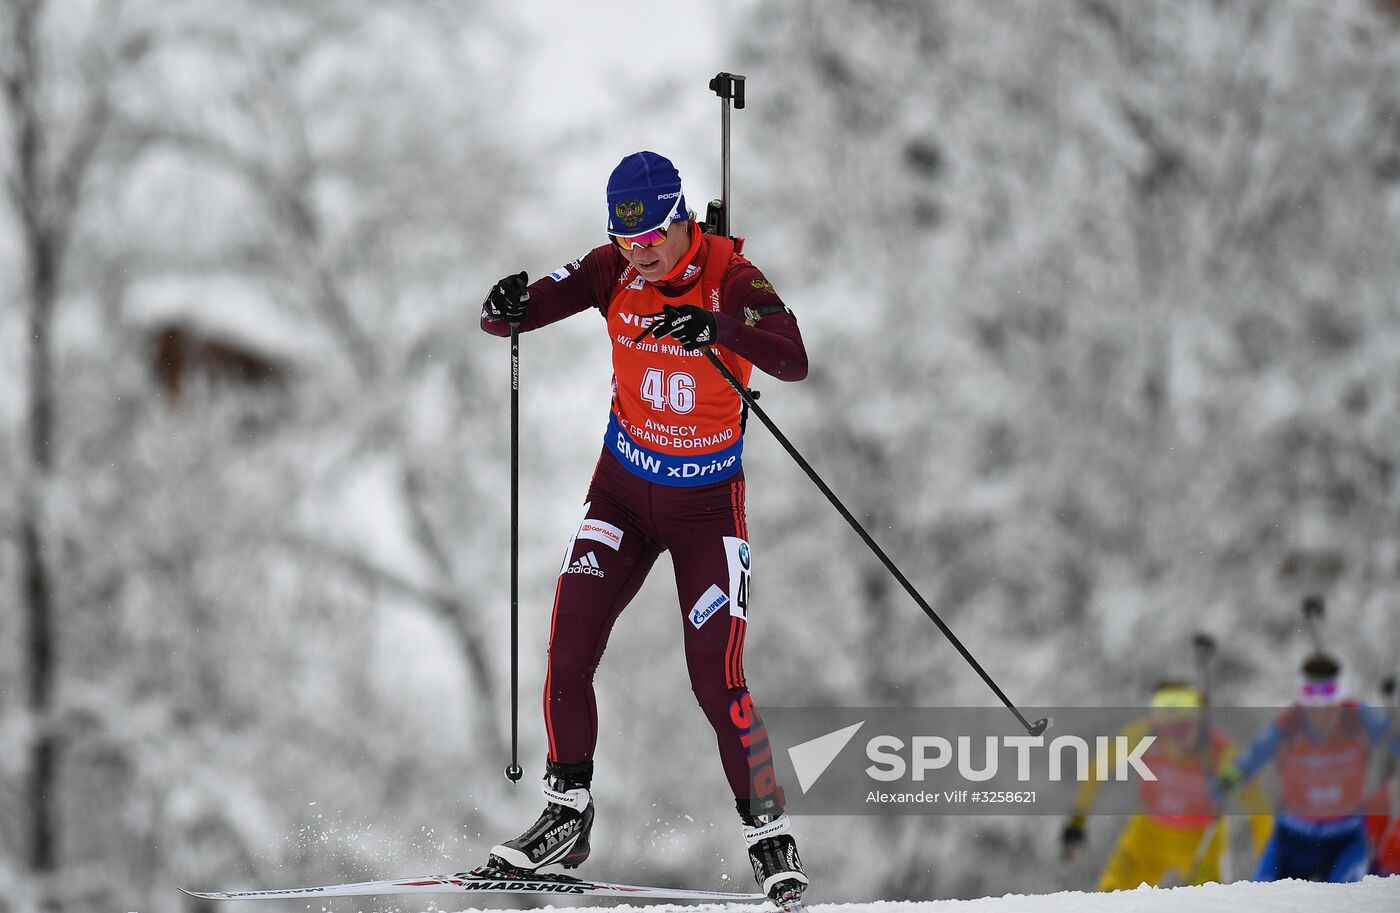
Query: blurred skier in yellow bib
x=1178 y=833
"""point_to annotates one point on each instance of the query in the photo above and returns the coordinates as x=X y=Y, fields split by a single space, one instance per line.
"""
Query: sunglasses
x=653 y=238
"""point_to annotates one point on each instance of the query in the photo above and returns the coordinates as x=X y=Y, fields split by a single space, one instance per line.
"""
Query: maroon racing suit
x=635 y=510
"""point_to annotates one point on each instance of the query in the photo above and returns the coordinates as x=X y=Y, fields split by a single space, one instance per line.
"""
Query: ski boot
x=773 y=853
x=560 y=836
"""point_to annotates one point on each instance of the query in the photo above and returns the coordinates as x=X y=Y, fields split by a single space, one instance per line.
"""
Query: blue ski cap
x=644 y=193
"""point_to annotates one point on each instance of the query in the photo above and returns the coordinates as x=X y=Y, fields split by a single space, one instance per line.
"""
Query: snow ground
x=1373 y=895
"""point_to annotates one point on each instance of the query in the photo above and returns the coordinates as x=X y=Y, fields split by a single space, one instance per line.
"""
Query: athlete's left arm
x=1253 y=798
x=1256 y=754
x=754 y=324
x=1383 y=734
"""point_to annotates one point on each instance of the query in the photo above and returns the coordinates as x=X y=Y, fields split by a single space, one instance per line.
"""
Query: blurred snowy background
x=1103 y=308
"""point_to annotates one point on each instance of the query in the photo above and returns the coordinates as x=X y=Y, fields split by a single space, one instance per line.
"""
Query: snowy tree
x=245 y=578
x=60 y=77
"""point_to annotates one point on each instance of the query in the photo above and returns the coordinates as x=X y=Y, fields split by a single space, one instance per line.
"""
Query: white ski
x=467 y=883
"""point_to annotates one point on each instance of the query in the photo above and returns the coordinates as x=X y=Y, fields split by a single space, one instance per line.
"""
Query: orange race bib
x=675 y=420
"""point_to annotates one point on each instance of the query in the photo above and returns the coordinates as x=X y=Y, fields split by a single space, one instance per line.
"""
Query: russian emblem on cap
x=629 y=212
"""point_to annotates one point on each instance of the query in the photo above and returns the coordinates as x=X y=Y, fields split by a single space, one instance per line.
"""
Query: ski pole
x=513 y=771
x=1036 y=728
x=1198 y=858
x=1387 y=766
x=1313 y=610
x=729 y=86
x=1203 y=652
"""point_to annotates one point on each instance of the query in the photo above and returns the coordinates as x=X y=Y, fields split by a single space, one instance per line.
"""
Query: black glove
x=688 y=325
x=508 y=300
x=1072 y=837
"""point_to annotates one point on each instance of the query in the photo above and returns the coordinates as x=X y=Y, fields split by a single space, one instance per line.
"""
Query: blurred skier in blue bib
x=1322 y=747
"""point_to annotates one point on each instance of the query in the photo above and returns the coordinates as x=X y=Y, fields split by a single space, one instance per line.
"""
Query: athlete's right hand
x=508 y=300
x=1227 y=780
x=1072 y=837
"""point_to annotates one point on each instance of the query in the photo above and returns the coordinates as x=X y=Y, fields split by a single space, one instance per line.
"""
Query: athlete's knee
x=718 y=698
x=717 y=678
x=570 y=666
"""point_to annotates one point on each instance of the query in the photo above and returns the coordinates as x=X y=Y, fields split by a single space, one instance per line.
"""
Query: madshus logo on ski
x=964 y=761
x=471 y=882
x=467 y=882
